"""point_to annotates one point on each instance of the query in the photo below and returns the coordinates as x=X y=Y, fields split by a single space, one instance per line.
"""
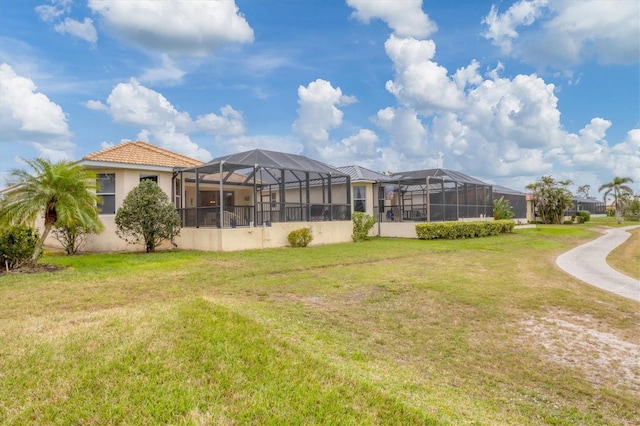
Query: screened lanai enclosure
x=434 y=195
x=258 y=188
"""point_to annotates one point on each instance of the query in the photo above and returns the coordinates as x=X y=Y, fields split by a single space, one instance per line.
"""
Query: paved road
x=588 y=263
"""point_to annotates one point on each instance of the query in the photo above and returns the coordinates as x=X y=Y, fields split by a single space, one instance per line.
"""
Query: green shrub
x=300 y=237
x=631 y=210
x=568 y=222
x=611 y=212
x=362 y=224
x=502 y=209
x=585 y=215
x=17 y=245
x=462 y=230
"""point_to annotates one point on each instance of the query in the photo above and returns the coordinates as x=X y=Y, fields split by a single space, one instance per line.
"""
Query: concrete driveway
x=588 y=263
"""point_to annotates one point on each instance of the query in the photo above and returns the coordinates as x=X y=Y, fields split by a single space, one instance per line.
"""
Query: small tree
x=620 y=192
x=147 y=215
x=362 y=224
x=72 y=237
x=502 y=209
x=631 y=210
x=551 y=198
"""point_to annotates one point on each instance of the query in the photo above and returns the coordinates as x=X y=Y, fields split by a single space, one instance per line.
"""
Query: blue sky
x=504 y=91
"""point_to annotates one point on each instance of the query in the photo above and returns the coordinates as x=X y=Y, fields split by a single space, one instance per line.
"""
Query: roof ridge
x=125 y=153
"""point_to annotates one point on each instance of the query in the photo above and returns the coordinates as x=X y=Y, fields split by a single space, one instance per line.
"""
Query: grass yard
x=389 y=331
x=626 y=257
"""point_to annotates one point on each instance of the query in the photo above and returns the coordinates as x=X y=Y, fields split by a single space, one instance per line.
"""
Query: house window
x=359 y=198
x=107 y=193
x=152 y=178
x=177 y=193
x=212 y=198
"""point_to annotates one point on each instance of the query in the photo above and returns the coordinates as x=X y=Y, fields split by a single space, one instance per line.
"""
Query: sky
x=505 y=91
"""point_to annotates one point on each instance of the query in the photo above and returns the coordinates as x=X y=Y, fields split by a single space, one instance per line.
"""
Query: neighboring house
x=254 y=199
x=119 y=169
x=367 y=189
x=434 y=195
x=591 y=205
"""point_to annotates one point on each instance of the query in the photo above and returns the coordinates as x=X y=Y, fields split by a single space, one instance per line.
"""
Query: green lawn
x=389 y=331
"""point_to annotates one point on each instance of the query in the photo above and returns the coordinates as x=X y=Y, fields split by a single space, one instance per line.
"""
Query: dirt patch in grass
x=32 y=269
x=581 y=341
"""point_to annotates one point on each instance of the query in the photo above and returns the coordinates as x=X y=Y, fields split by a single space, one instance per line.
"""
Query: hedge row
x=459 y=230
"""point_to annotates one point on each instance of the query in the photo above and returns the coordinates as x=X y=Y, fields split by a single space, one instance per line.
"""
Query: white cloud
x=408 y=134
x=167 y=137
x=96 y=105
x=362 y=146
x=54 y=13
x=134 y=104
x=563 y=34
x=168 y=72
x=28 y=116
x=83 y=30
x=25 y=111
x=243 y=143
x=406 y=17
x=187 y=27
x=420 y=82
x=502 y=28
x=318 y=112
x=56 y=9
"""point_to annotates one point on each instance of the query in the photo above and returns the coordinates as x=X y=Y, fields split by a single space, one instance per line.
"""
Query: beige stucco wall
x=214 y=239
x=274 y=236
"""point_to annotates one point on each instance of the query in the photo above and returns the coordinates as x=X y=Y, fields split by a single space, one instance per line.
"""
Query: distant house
x=367 y=188
x=591 y=205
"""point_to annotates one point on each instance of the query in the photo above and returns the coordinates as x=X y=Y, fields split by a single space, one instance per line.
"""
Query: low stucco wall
x=214 y=239
x=397 y=229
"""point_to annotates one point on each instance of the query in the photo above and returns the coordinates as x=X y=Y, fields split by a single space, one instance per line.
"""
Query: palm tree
x=63 y=193
x=619 y=189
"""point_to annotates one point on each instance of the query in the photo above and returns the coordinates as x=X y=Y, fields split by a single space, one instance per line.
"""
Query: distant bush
x=362 y=224
x=568 y=222
x=300 y=237
x=631 y=210
x=462 y=230
x=610 y=212
x=17 y=245
x=584 y=214
x=502 y=209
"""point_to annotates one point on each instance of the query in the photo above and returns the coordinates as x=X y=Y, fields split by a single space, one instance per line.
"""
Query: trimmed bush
x=362 y=224
x=17 y=245
x=300 y=237
x=462 y=230
x=584 y=214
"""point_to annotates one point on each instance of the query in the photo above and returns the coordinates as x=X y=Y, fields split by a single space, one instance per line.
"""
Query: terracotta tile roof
x=142 y=153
